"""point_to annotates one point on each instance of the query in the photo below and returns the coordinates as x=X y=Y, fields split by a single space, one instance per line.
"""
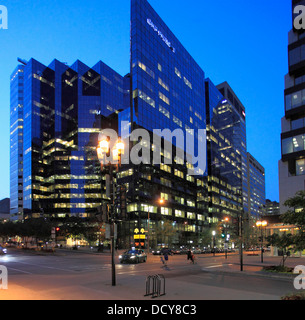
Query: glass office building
x=16 y=143
x=63 y=110
x=237 y=130
x=224 y=155
x=167 y=84
x=256 y=188
x=167 y=88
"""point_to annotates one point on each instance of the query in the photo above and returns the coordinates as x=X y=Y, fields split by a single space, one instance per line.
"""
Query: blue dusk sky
x=241 y=42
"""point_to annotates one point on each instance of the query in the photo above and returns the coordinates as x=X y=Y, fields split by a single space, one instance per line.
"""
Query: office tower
x=63 y=110
x=224 y=155
x=272 y=208
x=16 y=143
x=256 y=188
x=237 y=129
x=292 y=163
x=167 y=88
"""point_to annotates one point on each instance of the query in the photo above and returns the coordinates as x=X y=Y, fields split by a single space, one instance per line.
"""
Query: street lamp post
x=226 y=244
x=261 y=225
x=117 y=151
x=214 y=234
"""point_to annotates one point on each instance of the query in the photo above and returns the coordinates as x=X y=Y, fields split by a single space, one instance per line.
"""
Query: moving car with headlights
x=133 y=256
x=3 y=250
x=161 y=252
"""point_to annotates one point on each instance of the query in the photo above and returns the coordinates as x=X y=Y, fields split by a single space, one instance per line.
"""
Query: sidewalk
x=252 y=266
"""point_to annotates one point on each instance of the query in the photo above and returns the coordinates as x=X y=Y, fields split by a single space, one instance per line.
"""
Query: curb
x=261 y=274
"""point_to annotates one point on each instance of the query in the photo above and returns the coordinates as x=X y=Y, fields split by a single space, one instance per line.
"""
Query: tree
x=283 y=243
x=164 y=232
x=295 y=215
x=74 y=228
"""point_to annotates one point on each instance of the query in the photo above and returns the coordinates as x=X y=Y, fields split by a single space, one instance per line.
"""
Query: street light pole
x=112 y=229
x=118 y=150
x=260 y=225
x=213 y=234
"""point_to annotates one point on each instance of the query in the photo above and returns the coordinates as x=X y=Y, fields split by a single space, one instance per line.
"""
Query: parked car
x=3 y=250
x=133 y=256
x=196 y=251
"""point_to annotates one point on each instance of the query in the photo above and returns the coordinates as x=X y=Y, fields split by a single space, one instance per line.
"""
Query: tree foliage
x=295 y=215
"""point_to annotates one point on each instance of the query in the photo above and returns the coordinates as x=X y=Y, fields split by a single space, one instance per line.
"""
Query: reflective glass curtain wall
x=63 y=111
x=16 y=143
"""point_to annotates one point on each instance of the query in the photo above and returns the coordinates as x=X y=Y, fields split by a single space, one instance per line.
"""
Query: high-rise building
x=292 y=163
x=16 y=143
x=63 y=107
x=272 y=208
x=256 y=188
x=224 y=155
x=167 y=90
x=239 y=136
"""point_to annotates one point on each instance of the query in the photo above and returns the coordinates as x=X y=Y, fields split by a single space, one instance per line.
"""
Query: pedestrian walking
x=189 y=254
x=193 y=258
x=166 y=257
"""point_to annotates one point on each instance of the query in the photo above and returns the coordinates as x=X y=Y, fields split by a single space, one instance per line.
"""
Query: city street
x=69 y=275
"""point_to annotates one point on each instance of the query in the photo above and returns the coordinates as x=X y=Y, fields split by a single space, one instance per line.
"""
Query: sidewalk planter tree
x=295 y=216
x=284 y=243
x=74 y=228
x=164 y=232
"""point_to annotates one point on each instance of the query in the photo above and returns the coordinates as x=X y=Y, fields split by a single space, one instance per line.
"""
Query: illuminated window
x=164 y=98
x=164 y=111
x=178 y=73
x=147 y=99
x=187 y=83
x=165 y=167
x=177 y=121
x=166 y=211
x=179 y=173
x=179 y=213
x=164 y=85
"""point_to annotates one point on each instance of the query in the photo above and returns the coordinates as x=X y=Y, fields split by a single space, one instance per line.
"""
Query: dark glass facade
x=256 y=188
x=64 y=107
x=236 y=127
x=224 y=155
x=167 y=88
x=16 y=143
x=167 y=84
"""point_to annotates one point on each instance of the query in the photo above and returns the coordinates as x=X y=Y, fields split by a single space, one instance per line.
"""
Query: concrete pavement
x=211 y=278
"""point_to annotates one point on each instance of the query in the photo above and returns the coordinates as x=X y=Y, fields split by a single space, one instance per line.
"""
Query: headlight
x=4 y=250
x=120 y=257
x=132 y=257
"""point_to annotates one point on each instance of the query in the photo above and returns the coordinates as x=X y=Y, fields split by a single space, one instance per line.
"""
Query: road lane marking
x=10 y=268
x=42 y=266
x=217 y=266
